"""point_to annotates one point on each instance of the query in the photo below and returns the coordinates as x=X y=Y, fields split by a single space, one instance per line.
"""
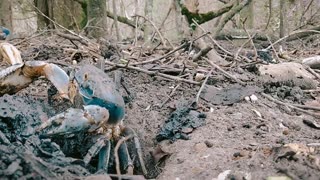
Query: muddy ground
x=241 y=139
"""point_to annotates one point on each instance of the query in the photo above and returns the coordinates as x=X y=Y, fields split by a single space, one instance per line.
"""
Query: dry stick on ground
x=290 y=106
x=307 y=107
x=155 y=27
x=169 y=53
x=274 y=50
x=251 y=40
x=203 y=85
x=31 y=37
x=292 y=35
x=71 y=37
x=224 y=72
x=240 y=49
x=213 y=41
x=312 y=72
x=171 y=94
x=151 y=72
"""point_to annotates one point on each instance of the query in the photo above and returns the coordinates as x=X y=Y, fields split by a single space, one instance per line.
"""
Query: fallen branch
x=295 y=35
x=124 y=20
x=204 y=17
x=229 y=15
x=307 y=107
x=224 y=72
x=203 y=85
x=73 y=38
x=171 y=94
x=153 y=73
x=169 y=53
x=290 y=106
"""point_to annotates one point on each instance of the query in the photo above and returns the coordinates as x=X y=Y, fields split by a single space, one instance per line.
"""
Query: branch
x=152 y=73
x=124 y=20
x=203 y=17
x=229 y=15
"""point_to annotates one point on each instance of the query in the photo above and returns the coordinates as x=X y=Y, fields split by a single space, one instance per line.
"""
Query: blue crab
x=103 y=112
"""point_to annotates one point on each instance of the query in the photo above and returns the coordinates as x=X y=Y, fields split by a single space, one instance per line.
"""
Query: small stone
x=199 y=147
x=74 y=62
x=187 y=130
x=253 y=98
x=244 y=153
x=208 y=143
x=247 y=98
x=285 y=132
x=179 y=161
x=199 y=77
x=241 y=154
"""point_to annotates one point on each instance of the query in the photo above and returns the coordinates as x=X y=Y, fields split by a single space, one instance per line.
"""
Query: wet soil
x=244 y=139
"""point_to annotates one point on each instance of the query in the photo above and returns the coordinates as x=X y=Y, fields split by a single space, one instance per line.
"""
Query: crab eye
x=86 y=77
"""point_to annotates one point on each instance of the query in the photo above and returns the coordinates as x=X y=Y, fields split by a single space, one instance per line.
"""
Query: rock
x=208 y=143
x=200 y=147
x=289 y=74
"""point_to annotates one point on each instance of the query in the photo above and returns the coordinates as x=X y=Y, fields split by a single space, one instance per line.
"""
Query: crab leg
x=125 y=159
x=104 y=156
x=94 y=150
x=75 y=120
x=137 y=144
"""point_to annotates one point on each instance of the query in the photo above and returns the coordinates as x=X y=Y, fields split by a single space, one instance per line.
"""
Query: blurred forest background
x=172 y=18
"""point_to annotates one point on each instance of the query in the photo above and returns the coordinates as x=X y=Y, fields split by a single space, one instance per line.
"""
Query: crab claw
x=10 y=53
x=19 y=76
x=54 y=73
x=75 y=120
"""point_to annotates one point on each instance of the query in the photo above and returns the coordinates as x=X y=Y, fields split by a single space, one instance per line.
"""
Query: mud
x=180 y=123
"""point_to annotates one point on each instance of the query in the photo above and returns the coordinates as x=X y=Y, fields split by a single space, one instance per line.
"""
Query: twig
x=152 y=73
x=171 y=94
x=224 y=72
x=116 y=149
x=311 y=90
x=291 y=34
x=290 y=106
x=155 y=27
x=71 y=32
x=240 y=49
x=274 y=50
x=213 y=41
x=229 y=15
x=161 y=57
x=307 y=107
x=31 y=37
x=251 y=40
x=203 y=85
x=304 y=12
x=169 y=53
x=71 y=37
x=312 y=72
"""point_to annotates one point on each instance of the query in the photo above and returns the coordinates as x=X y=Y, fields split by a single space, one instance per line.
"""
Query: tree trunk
x=98 y=17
